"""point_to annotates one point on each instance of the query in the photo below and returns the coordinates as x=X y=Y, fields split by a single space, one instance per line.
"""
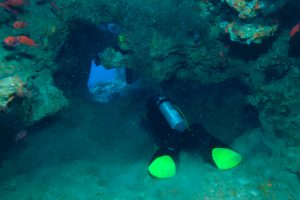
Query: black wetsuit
x=171 y=141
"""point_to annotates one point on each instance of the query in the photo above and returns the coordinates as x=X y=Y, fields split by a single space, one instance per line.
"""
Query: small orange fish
x=15 y=3
x=19 y=24
x=295 y=30
x=10 y=41
x=22 y=39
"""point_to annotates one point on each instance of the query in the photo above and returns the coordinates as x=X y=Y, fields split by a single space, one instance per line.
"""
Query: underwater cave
x=209 y=104
x=144 y=131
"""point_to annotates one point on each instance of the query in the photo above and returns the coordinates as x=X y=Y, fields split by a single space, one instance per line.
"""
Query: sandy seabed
x=93 y=151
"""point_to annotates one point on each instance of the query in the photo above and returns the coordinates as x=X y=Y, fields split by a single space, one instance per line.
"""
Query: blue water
x=99 y=73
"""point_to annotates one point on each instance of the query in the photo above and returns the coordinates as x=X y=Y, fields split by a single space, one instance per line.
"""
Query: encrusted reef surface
x=27 y=93
x=201 y=41
x=210 y=42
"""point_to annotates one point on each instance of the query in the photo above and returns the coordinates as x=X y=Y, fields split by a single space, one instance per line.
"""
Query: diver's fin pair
x=164 y=166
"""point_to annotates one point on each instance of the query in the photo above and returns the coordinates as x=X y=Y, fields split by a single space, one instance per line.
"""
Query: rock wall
x=159 y=40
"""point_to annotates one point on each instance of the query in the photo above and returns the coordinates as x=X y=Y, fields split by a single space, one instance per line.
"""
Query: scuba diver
x=172 y=133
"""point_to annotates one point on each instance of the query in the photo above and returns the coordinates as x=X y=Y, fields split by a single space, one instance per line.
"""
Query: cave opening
x=83 y=44
x=222 y=108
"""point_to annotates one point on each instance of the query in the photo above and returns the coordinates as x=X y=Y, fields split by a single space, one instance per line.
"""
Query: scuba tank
x=169 y=112
x=173 y=117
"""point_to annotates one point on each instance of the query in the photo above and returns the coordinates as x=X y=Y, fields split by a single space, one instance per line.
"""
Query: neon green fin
x=162 y=167
x=225 y=158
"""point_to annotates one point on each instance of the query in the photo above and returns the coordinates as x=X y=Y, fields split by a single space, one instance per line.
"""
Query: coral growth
x=10 y=88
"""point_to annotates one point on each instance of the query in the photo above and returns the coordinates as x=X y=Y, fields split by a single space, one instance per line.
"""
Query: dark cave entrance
x=222 y=108
x=83 y=44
